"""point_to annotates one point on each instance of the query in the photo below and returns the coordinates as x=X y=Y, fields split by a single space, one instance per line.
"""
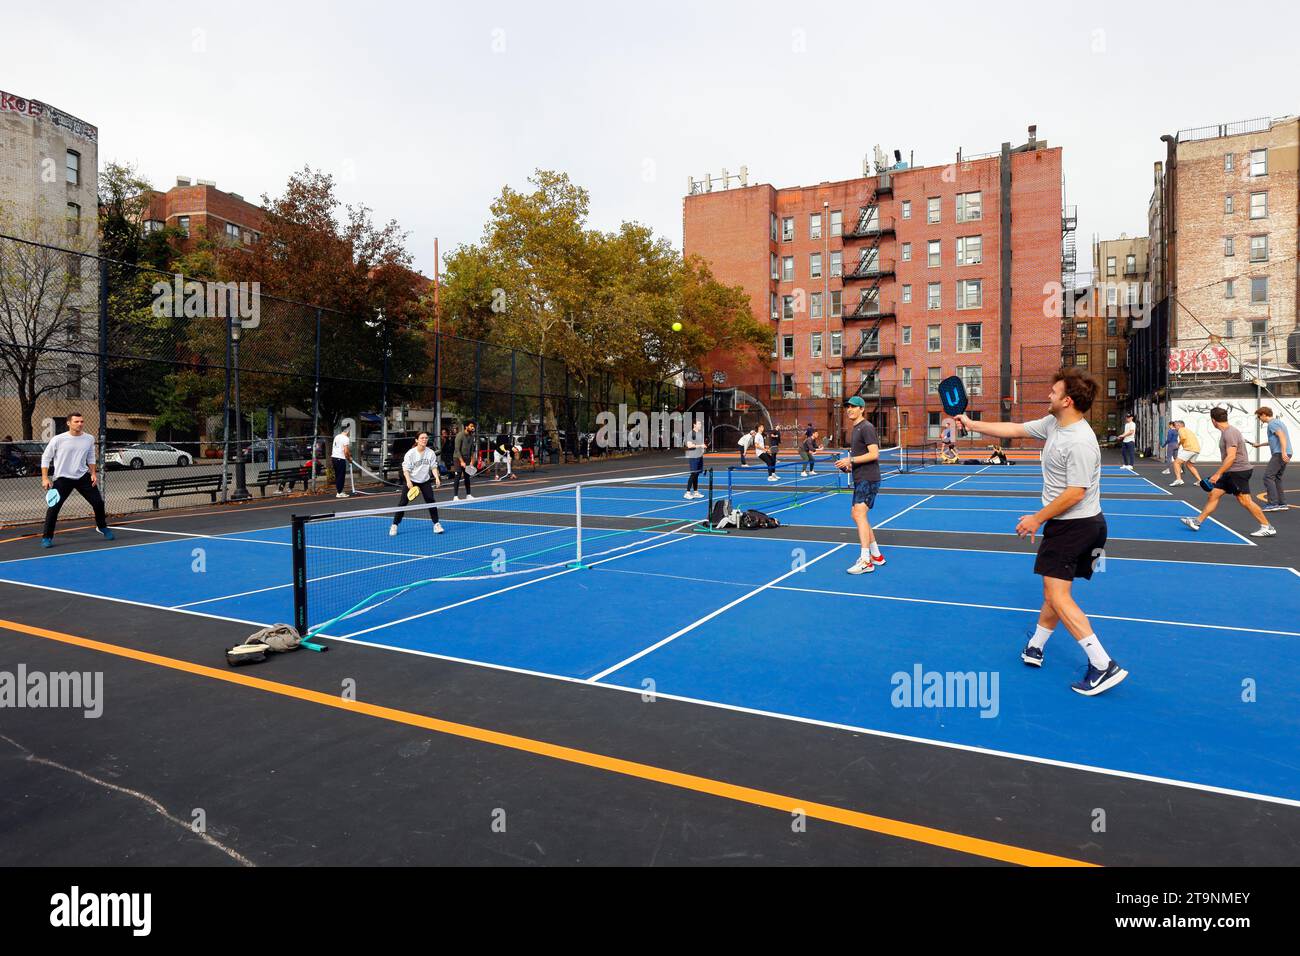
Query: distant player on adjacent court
x=1074 y=529
x=72 y=456
x=1128 y=443
x=1232 y=478
x=341 y=458
x=1189 y=446
x=420 y=471
x=695 y=448
x=808 y=449
x=465 y=454
x=1281 y=450
x=864 y=462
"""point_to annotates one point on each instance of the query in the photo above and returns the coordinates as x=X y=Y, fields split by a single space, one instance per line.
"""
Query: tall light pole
x=241 y=478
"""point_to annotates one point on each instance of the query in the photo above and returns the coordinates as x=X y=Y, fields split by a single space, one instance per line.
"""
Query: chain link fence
x=200 y=391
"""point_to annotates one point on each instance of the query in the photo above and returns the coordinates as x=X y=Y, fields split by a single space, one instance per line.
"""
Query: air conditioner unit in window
x=776 y=314
x=790 y=395
x=976 y=390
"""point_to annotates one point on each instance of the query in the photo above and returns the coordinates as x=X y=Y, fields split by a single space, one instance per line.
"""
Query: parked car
x=20 y=458
x=147 y=455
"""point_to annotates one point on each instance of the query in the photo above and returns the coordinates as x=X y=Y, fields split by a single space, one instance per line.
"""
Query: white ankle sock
x=1097 y=655
x=1039 y=640
x=875 y=549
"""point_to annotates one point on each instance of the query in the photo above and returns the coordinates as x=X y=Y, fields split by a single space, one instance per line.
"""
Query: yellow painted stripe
x=717 y=788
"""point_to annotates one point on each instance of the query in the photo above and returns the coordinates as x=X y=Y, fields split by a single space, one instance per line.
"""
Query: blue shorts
x=864 y=493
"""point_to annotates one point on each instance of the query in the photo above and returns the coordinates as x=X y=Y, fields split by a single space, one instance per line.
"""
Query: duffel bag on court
x=753 y=520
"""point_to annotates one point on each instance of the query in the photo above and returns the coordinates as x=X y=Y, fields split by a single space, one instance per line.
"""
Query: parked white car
x=147 y=454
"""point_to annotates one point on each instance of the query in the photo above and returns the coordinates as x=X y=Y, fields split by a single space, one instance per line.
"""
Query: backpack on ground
x=753 y=520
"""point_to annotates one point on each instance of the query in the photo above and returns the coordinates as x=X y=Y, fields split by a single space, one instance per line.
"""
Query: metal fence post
x=101 y=379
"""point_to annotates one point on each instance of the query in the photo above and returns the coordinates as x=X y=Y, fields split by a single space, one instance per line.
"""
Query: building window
x=1130 y=265
x=787 y=229
x=787 y=269
x=1110 y=387
x=907 y=209
x=817 y=385
x=837 y=384
x=787 y=346
x=1227 y=205
x=776 y=347
x=837 y=308
x=972 y=376
x=815 y=305
x=814 y=225
x=1081 y=330
x=932 y=209
x=907 y=252
x=934 y=295
x=772 y=223
x=933 y=253
x=907 y=293
x=72 y=168
x=870 y=342
x=1133 y=295
x=74 y=220
x=1228 y=289
x=776 y=269
x=74 y=381
x=1081 y=360
x=1110 y=265
x=1227 y=162
x=232 y=231
x=907 y=335
x=1112 y=358
x=932 y=424
x=815 y=265
x=1259 y=205
x=72 y=330
x=837 y=264
x=1259 y=248
x=1259 y=331
x=970 y=293
x=902 y=418
x=1259 y=162
x=907 y=378
x=932 y=378
x=1228 y=328
x=1111 y=326
x=970 y=250
x=776 y=314
x=970 y=207
x=1227 y=245
x=837 y=344
x=1259 y=289
x=183 y=223
x=787 y=306
x=816 y=345
x=837 y=223
x=787 y=383
x=933 y=338
x=970 y=336
x=1112 y=297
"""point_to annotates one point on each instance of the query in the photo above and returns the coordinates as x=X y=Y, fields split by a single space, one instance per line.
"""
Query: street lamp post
x=241 y=478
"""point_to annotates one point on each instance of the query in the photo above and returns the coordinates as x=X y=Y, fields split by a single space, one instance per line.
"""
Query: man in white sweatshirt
x=72 y=456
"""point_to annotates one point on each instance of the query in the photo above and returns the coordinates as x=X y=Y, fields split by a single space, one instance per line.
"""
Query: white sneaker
x=803 y=474
x=1165 y=472
x=773 y=477
x=862 y=566
x=1265 y=531
x=1191 y=523
x=341 y=494
x=392 y=530
x=689 y=496
x=1175 y=484
x=469 y=497
x=438 y=528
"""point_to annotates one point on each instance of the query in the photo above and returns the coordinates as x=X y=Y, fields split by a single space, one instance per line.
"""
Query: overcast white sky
x=423 y=111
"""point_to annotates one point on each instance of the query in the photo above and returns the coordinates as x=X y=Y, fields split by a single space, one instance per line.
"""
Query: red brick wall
x=209 y=210
x=730 y=229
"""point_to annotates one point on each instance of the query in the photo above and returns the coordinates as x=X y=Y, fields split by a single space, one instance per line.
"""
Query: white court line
x=968 y=477
x=673 y=539
x=708 y=617
x=1107 y=512
x=835 y=527
x=1035 y=610
x=901 y=513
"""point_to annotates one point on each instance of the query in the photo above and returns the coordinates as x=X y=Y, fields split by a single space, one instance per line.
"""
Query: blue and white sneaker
x=47 y=542
x=107 y=533
x=1097 y=681
x=1033 y=656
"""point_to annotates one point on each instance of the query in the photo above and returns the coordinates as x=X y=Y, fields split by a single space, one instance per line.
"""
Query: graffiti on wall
x=1211 y=358
x=44 y=113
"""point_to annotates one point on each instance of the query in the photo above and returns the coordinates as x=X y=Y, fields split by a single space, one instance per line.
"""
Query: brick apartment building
x=882 y=285
x=200 y=209
x=1224 y=224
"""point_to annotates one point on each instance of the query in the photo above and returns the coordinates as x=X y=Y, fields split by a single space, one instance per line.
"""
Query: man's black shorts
x=1235 y=482
x=1070 y=547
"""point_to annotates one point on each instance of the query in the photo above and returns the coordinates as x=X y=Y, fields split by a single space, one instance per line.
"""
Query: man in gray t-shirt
x=1232 y=478
x=863 y=461
x=1074 y=529
x=72 y=456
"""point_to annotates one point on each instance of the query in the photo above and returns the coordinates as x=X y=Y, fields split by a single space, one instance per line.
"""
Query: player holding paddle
x=420 y=469
x=1074 y=529
x=863 y=461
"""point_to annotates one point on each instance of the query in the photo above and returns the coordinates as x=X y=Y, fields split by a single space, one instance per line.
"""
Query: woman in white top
x=340 y=455
x=420 y=470
x=760 y=449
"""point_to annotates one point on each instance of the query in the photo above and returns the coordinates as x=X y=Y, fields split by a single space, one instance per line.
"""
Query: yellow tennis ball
x=677 y=326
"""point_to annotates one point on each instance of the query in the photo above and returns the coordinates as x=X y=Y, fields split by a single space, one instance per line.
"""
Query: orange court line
x=851 y=818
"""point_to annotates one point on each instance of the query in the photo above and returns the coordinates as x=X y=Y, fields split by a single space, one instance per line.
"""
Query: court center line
x=856 y=819
x=914 y=504
x=708 y=617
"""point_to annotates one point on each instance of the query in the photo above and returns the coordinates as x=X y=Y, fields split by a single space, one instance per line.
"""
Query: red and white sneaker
x=878 y=560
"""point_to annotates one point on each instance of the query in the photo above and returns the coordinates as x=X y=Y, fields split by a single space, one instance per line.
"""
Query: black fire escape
x=871 y=270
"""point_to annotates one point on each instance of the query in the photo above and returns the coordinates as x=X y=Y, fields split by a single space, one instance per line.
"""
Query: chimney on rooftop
x=182 y=181
x=1033 y=135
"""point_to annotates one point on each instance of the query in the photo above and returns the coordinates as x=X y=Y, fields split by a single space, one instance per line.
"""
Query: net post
x=298 y=545
x=706 y=526
x=577 y=564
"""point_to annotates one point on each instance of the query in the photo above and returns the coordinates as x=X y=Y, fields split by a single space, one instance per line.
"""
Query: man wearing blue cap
x=72 y=455
x=864 y=462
